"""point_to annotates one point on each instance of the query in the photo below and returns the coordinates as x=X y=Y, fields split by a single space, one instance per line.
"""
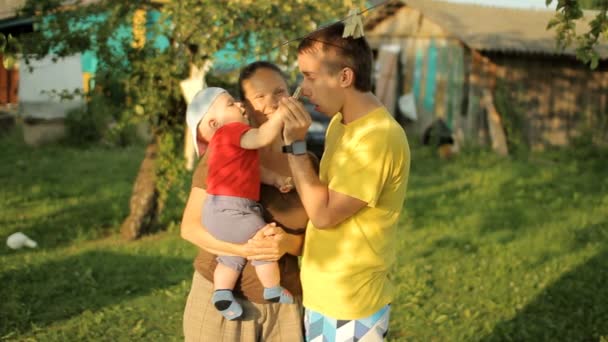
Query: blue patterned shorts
x=320 y=328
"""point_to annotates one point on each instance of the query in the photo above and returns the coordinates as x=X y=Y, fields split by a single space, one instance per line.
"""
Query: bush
x=84 y=126
x=100 y=121
x=121 y=134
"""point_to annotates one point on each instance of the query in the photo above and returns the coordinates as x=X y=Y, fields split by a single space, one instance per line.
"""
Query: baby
x=231 y=211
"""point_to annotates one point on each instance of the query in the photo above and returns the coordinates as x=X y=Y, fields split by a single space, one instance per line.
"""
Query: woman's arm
x=269 y=177
x=193 y=231
x=293 y=244
x=272 y=242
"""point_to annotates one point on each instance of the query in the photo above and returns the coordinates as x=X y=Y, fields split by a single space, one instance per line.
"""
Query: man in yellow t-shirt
x=355 y=201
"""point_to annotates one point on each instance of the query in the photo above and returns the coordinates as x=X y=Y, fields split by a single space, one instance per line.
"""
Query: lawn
x=491 y=249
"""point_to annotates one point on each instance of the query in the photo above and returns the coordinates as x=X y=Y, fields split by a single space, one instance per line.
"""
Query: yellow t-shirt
x=345 y=268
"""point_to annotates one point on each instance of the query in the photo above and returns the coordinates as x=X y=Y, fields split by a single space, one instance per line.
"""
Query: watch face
x=299 y=147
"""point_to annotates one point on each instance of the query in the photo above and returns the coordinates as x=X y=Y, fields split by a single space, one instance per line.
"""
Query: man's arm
x=325 y=207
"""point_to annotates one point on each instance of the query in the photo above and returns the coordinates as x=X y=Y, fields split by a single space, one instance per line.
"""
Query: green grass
x=83 y=282
x=495 y=249
x=491 y=249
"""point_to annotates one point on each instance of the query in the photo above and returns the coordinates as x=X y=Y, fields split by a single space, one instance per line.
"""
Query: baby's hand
x=284 y=184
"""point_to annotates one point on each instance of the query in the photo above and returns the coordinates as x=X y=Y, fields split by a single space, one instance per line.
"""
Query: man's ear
x=347 y=77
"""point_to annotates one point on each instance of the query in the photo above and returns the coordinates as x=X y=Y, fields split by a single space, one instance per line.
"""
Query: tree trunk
x=189 y=88
x=142 y=206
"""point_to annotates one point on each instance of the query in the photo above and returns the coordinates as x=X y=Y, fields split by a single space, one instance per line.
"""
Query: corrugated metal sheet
x=9 y=8
x=482 y=28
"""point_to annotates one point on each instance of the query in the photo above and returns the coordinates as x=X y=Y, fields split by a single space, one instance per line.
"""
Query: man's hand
x=296 y=118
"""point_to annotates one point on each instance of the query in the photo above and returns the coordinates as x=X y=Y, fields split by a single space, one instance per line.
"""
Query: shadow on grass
x=432 y=206
x=571 y=309
x=90 y=219
x=569 y=187
x=454 y=244
x=55 y=291
x=597 y=232
x=59 y=195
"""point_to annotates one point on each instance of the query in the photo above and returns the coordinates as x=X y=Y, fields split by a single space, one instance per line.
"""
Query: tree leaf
x=594 y=61
x=2 y=42
x=9 y=61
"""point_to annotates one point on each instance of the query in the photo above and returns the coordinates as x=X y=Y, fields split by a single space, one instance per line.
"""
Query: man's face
x=320 y=85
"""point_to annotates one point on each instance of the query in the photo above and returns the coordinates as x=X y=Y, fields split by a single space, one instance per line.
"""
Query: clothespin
x=353 y=25
x=296 y=93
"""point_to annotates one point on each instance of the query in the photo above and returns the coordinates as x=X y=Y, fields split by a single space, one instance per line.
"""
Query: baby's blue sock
x=278 y=294
x=224 y=302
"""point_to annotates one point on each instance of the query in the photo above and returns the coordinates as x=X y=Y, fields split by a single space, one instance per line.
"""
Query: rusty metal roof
x=9 y=8
x=483 y=28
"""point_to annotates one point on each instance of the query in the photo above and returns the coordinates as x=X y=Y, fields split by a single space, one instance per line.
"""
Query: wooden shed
x=460 y=59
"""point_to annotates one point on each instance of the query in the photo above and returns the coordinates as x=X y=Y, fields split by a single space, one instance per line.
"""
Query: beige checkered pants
x=260 y=322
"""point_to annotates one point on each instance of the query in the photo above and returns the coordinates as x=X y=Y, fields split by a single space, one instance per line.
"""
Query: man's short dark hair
x=248 y=71
x=353 y=53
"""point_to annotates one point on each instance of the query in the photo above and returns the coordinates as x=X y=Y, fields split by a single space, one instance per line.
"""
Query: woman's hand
x=268 y=244
x=284 y=184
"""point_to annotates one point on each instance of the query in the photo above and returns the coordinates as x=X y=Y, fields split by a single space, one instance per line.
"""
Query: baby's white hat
x=201 y=102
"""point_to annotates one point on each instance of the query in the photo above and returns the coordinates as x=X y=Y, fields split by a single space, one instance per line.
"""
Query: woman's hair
x=248 y=71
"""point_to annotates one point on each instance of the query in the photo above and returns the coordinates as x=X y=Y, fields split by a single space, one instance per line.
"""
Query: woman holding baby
x=261 y=85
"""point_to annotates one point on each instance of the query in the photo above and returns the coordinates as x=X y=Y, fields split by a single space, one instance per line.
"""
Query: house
x=36 y=89
x=28 y=90
x=12 y=23
x=479 y=68
x=9 y=24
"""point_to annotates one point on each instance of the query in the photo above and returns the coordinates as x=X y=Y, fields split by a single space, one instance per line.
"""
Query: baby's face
x=226 y=110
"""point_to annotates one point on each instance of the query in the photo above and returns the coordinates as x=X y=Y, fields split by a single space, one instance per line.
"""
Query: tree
x=568 y=12
x=143 y=77
x=9 y=48
x=590 y=4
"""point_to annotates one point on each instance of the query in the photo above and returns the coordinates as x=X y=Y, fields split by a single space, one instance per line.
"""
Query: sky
x=536 y=4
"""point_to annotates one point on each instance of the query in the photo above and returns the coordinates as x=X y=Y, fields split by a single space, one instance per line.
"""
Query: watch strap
x=287 y=149
x=298 y=147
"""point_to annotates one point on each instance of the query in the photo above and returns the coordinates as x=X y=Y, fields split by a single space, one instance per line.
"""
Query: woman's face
x=262 y=93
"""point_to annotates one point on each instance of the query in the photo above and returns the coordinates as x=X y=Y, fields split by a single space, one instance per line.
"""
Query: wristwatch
x=298 y=147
